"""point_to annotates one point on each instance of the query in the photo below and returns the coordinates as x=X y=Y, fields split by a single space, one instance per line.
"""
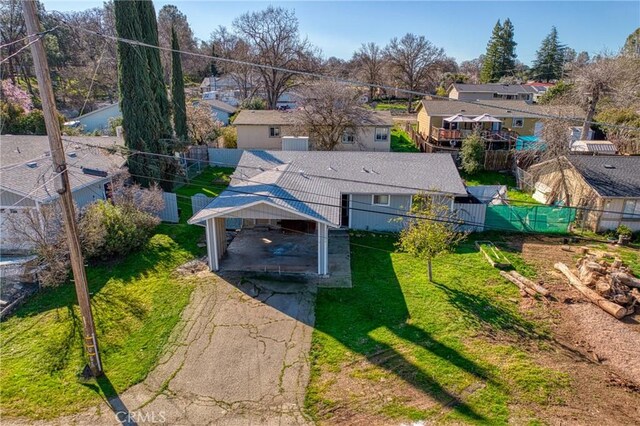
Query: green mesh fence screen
x=529 y=218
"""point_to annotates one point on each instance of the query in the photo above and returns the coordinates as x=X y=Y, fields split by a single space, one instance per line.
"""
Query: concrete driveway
x=239 y=357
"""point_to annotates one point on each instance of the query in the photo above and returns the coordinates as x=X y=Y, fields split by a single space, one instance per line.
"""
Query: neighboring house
x=210 y=84
x=230 y=97
x=268 y=129
x=287 y=100
x=607 y=187
x=220 y=111
x=443 y=122
x=321 y=190
x=539 y=88
x=27 y=178
x=99 y=119
x=490 y=91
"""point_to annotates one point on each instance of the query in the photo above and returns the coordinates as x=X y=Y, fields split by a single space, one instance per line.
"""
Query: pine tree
x=507 y=62
x=550 y=57
x=139 y=111
x=489 y=71
x=177 y=89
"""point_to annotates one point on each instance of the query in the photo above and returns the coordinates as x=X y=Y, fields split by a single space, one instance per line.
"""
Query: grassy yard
x=400 y=141
x=211 y=182
x=497 y=178
x=398 y=348
x=136 y=304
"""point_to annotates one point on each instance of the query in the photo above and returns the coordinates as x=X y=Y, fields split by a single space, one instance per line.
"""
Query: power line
x=209 y=162
x=336 y=79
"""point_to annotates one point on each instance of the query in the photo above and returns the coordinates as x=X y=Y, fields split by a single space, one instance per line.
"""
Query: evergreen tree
x=507 y=49
x=139 y=111
x=550 y=58
x=149 y=34
x=489 y=71
x=177 y=90
x=500 y=59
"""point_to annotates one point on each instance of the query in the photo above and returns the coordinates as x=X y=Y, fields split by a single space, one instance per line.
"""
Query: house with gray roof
x=28 y=181
x=607 y=187
x=492 y=91
x=269 y=129
x=316 y=190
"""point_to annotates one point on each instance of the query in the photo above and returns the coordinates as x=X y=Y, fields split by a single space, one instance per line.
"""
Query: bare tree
x=201 y=126
x=369 y=61
x=275 y=42
x=224 y=44
x=472 y=68
x=412 y=59
x=169 y=16
x=330 y=112
x=614 y=79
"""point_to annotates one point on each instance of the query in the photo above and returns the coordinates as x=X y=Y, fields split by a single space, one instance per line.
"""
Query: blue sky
x=461 y=28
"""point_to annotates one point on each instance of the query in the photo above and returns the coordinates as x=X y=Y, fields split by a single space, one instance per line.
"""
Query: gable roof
x=284 y=118
x=503 y=89
x=219 y=105
x=615 y=176
x=312 y=182
x=495 y=108
x=27 y=180
x=115 y=106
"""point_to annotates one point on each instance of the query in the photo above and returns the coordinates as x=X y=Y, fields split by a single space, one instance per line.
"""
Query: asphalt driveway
x=239 y=357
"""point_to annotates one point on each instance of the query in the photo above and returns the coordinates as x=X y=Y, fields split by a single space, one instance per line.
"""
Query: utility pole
x=62 y=184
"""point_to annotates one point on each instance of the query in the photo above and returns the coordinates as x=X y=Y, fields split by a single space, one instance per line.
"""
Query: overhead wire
x=340 y=80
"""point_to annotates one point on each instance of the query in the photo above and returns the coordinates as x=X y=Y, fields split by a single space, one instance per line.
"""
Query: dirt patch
x=606 y=378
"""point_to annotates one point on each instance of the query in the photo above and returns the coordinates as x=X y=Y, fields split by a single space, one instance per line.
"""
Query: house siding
x=99 y=120
x=257 y=137
x=8 y=199
x=368 y=220
x=89 y=194
x=611 y=217
x=425 y=122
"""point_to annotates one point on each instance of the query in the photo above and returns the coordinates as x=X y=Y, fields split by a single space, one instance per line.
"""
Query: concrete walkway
x=239 y=357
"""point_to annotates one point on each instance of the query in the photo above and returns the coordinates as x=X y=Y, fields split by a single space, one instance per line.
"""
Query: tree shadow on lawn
x=133 y=267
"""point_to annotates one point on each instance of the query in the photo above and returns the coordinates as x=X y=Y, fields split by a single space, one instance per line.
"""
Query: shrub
x=624 y=230
x=230 y=137
x=472 y=154
x=109 y=230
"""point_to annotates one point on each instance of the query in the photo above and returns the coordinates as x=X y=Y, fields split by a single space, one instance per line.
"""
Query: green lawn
x=400 y=141
x=136 y=304
x=211 y=182
x=426 y=336
x=497 y=178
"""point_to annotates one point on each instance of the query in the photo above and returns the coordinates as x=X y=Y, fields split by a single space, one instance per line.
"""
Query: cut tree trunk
x=520 y=285
x=626 y=279
x=526 y=281
x=611 y=308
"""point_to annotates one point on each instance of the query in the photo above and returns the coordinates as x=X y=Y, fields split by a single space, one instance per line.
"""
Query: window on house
x=274 y=132
x=629 y=211
x=382 y=134
x=380 y=200
x=518 y=122
x=496 y=95
x=348 y=137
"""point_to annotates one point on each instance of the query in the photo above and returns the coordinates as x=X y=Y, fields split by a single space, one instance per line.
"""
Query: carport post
x=323 y=249
x=212 y=244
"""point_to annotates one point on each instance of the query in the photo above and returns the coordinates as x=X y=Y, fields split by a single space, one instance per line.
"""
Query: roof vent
x=72 y=154
x=509 y=111
x=94 y=172
x=609 y=166
x=32 y=164
x=365 y=170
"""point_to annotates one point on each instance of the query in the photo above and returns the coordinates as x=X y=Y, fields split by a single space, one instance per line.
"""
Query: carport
x=247 y=247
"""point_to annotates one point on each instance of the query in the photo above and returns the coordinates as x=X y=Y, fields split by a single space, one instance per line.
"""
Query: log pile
x=608 y=284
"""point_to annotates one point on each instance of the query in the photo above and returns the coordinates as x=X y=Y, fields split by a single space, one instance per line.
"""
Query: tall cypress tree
x=139 y=110
x=549 y=60
x=507 y=62
x=177 y=89
x=149 y=34
x=489 y=72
